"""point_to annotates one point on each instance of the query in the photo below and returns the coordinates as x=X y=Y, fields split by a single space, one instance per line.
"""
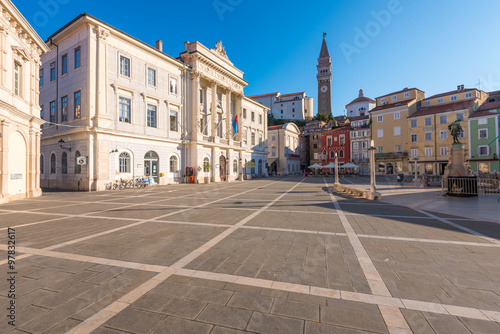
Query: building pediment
x=20 y=52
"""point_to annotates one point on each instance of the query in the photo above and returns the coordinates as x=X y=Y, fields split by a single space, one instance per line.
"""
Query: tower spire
x=324 y=49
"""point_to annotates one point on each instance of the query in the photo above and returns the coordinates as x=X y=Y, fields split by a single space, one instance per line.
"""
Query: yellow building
x=428 y=136
x=390 y=128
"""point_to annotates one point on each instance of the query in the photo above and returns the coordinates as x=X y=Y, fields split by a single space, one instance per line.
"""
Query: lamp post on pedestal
x=336 y=168
x=415 y=180
x=373 y=194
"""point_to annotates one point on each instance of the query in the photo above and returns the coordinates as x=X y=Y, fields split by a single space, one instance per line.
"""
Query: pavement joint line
x=375 y=281
x=459 y=311
x=34 y=223
x=436 y=241
x=463 y=228
x=104 y=315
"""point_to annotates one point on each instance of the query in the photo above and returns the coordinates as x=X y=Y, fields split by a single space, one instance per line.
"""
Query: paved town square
x=277 y=255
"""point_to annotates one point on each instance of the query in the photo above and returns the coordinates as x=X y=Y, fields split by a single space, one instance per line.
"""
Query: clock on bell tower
x=324 y=77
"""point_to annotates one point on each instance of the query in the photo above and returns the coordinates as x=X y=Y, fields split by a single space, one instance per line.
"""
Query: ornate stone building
x=324 y=77
x=20 y=50
x=118 y=108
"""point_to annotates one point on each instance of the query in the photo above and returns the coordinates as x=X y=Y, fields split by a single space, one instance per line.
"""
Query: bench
x=355 y=191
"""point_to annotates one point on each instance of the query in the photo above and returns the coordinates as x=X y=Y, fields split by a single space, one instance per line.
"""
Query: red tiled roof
x=276 y=127
x=301 y=93
x=392 y=105
x=262 y=95
x=443 y=108
x=400 y=91
x=482 y=114
x=450 y=93
x=490 y=105
x=360 y=99
x=496 y=92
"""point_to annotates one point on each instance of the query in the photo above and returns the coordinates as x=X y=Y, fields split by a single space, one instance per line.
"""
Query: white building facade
x=117 y=108
x=284 y=155
x=360 y=143
x=20 y=50
x=293 y=107
x=360 y=106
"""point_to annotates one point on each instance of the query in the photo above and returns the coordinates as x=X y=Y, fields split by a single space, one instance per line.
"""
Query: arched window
x=64 y=163
x=173 y=164
x=260 y=166
x=235 y=166
x=341 y=153
x=41 y=164
x=124 y=162
x=53 y=163
x=332 y=154
x=206 y=164
x=78 y=168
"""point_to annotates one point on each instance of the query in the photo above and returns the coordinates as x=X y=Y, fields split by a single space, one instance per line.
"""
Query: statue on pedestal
x=455 y=130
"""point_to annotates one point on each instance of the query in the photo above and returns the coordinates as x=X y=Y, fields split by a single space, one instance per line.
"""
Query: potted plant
x=207 y=167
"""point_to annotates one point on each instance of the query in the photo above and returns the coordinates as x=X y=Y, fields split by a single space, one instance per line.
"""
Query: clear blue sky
x=432 y=45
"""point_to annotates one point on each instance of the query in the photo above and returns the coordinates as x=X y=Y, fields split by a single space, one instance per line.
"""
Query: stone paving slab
x=327 y=222
x=151 y=243
x=136 y=212
x=13 y=219
x=77 y=209
x=211 y=215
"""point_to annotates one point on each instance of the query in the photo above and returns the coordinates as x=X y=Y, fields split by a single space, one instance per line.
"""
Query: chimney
x=159 y=45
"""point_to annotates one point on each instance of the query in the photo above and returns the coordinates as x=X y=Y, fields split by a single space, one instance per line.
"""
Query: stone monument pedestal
x=456 y=162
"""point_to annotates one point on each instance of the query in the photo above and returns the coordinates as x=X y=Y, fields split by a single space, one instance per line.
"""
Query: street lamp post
x=336 y=168
x=373 y=194
x=415 y=180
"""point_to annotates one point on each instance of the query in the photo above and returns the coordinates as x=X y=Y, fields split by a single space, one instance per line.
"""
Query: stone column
x=3 y=52
x=239 y=111
x=4 y=157
x=214 y=165
x=101 y=84
x=229 y=116
x=213 y=114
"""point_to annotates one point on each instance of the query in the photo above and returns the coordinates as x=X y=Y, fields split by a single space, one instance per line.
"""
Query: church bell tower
x=324 y=77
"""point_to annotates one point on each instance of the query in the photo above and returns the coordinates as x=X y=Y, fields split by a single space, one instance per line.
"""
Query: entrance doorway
x=151 y=165
x=222 y=163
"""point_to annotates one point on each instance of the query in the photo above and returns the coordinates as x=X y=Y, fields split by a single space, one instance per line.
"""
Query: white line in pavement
x=459 y=226
x=111 y=310
x=459 y=311
x=393 y=317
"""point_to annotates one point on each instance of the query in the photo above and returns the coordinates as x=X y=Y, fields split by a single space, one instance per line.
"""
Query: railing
x=224 y=141
x=470 y=186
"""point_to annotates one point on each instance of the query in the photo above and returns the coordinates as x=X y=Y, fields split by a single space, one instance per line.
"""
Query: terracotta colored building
x=336 y=140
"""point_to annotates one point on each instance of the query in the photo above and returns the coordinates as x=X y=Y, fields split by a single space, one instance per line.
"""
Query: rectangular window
x=397 y=131
x=428 y=151
x=151 y=120
x=78 y=105
x=173 y=86
x=355 y=146
x=443 y=150
x=380 y=118
x=260 y=140
x=253 y=139
x=64 y=109
x=253 y=117
x=482 y=121
x=427 y=103
x=380 y=133
x=151 y=76
x=17 y=78
x=483 y=150
x=77 y=58
x=443 y=134
x=394 y=97
x=125 y=66
x=124 y=110
x=468 y=95
x=329 y=141
x=397 y=148
x=64 y=64
x=407 y=94
x=52 y=111
x=52 y=71
x=428 y=121
x=414 y=152
x=173 y=121
x=260 y=119
x=40 y=76
x=428 y=136
x=483 y=133
x=414 y=137
x=380 y=149
x=460 y=116
x=453 y=98
x=443 y=119
x=397 y=115
x=413 y=123
x=244 y=113
x=201 y=96
x=41 y=111
x=440 y=100
x=382 y=100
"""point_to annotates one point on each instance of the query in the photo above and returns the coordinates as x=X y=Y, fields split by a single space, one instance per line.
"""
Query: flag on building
x=235 y=124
